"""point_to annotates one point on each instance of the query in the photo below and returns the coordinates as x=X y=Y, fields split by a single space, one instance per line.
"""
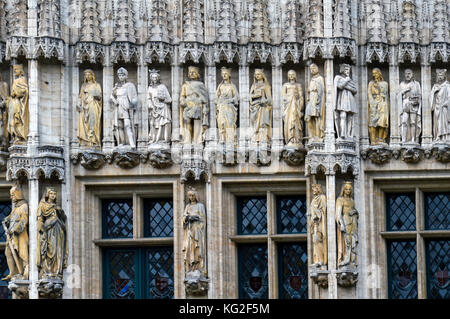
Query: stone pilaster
x=177 y=80
x=331 y=235
x=277 y=120
x=108 y=111
x=142 y=109
x=427 y=125
x=329 y=107
x=394 y=82
x=33 y=201
x=210 y=82
x=244 y=89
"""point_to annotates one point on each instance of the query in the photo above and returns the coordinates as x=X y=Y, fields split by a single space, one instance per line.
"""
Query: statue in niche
x=159 y=113
x=194 y=226
x=89 y=111
x=261 y=107
x=315 y=106
x=378 y=108
x=227 y=103
x=124 y=99
x=318 y=216
x=52 y=248
x=440 y=106
x=16 y=230
x=293 y=104
x=410 y=101
x=347 y=227
x=18 y=115
x=4 y=97
x=345 y=108
x=194 y=117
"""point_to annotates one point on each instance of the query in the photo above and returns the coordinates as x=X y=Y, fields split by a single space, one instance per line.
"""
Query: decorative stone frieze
x=291 y=52
x=158 y=51
x=193 y=52
x=330 y=163
x=124 y=51
x=89 y=52
x=226 y=51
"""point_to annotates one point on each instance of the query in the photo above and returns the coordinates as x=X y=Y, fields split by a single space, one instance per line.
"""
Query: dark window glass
x=401 y=212
x=293 y=271
x=253 y=280
x=158 y=218
x=120 y=274
x=291 y=213
x=437 y=211
x=160 y=273
x=402 y=268
x=117 y=218
x=5 y=210
x=4 y=271
x=438 y=267
x=252 y=215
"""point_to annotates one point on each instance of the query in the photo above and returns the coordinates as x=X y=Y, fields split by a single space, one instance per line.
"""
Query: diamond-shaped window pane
x=160 y=273
x=158 y=218
x=293 y=271
x=121 y=277
x=437 y=211
x=401 y=212
x=291 y=212
x=117 y=218
x=253 y=278
x=4 y=271
x=402 y=270
x=252 y=215
x=5 y=210
x=438 y=268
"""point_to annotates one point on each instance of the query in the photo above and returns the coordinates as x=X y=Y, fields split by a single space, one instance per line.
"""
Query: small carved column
x=75 y=79
x=33 y=87
x=33 y=191
x=277 y=122
x=427 y=129
x=108 y=84
x=142 y=110
x=394 y=80
x=331 y=234
x=177 y=80
x=244 y=89
x=363 y=116
x=210 y=83
x=329 y=107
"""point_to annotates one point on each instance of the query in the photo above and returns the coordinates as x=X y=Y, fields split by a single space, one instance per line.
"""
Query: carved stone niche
x=19 y=288
x=50 y=288
x=124 y=157
x=346 y=277
x=378 y=154
x=410 y=153
x=260 y=154
x=293 y=155
x=320 y=277
x=89 y=159
x=160 y=155
x=441 y=152
x=193 y=166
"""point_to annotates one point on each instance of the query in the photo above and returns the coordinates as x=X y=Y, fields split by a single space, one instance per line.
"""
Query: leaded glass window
x=402 y=269
x=117 y=218
x=437 y=211
x=4 y=271
x=252 y=215
x=293 y=271
x=5 y=210
x=438 y=267
x=158 y=218
x=253 y=271
x=121 y=279
x=291 y=214
x=160 y=273
x=401 y=212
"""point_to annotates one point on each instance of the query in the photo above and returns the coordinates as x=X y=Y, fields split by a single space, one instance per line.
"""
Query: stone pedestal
x=19 y=288
x=51 y=288
x=196 y=284
x=346 y=277
x=320 y=277
x=125 y=157
x=293 y=155
x=160 y=155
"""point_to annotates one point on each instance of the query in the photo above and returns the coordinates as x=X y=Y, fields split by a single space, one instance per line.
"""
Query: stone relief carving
x=378 y=154
x=17 y=18
x=410 y=102
x=345 y=107
x=378 y=108
x=318 y=225
x=315 y=18
x=89 y=112
x=409 y=30
x=193 y=17
x=159 y=21
x=227 y=106
x=90 y=51
x=261 y=108
x=342 y=19
x=293 y=107
x=440 y=31
x=90 y=21
x=226 y=30
x=259 y=31
x=49 y=22
x=18 y=115
x=124 y=21
x=293 y=25
x=315 y=106
x=160 y=115
x=440 y=108
x=376 y=23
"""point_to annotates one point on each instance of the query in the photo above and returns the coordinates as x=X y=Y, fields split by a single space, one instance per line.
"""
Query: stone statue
x=315 y=106
x=346 y=107
x=440 y=106
x=261 y=108
x=125 y=100
x=227 y=103
x=194 y=117
x=52 y=248
x=4 y=97
x=378 y=108
x=159 y=113
x=18 y=115
x=293 y=104
x=410 y=101
x=318 y=216
x=89 y=111
x=16 y=229
x=347 y=227
x=194 y=226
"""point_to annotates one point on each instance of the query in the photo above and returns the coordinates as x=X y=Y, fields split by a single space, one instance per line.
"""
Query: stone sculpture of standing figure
x=261 y=108
x=52 y=252
x=345 y=108
x=124 y=99
x=440 y=106
x=318 y=224
x=227 y=103
x=410 y=101
x=194 y=110
x=347 y=227
x=293 y=104
x=159 y=113
x=315 y=106
x=90 y=111
x=4 y=97
x=18 y=114
x=16 y=229
x=378 y=108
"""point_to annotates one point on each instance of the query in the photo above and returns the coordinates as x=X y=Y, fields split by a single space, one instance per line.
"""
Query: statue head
x=192 y=195
x=317 y=189
x=155 y=77
x=377 y=75
x=89 y=76
x=259 y=75
x=18 y=70
x=292 y=75
x=193 y=73
x=441 y=75
x=226 y=73
x=409 y=75
x=50 y=195
x=347 y=189
x=314 y=69
x=345 y=69
x=16 y=194
x=122 y=74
